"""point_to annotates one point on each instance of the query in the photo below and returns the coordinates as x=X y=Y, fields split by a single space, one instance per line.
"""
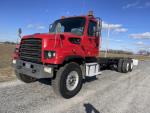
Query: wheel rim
x=72 y=80
x=127 y=68
x=131 y=66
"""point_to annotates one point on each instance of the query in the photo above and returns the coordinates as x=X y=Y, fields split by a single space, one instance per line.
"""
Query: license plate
x=27 y=65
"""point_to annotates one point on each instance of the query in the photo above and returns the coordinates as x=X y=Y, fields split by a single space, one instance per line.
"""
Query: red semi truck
x=67 y=54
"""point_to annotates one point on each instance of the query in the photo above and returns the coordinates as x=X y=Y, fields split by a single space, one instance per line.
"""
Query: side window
x=62 y=29
x=92 y=26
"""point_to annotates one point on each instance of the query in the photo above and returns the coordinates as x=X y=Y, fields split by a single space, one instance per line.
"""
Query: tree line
x=8 y=42
x=118 y=51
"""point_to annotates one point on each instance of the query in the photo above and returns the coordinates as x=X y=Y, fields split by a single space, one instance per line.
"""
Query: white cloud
x=30 y=26
x=142 y=46
x=40 y=27
x=35 y=26
x=134 y=4
x=147 y=4
x=118 y=40
x=145 y=35
x=111 y=26
x=140 y=43
x=115 y=27
x=111 y=39
x=137 y=4
x=121 y=30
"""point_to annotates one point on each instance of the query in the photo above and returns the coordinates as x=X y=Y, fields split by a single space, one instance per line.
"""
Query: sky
x=128 y=20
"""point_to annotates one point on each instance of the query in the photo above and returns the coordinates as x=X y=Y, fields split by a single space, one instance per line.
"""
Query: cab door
x=93 y=40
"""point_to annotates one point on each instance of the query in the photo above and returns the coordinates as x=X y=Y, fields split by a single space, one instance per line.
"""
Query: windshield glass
x=72 y=25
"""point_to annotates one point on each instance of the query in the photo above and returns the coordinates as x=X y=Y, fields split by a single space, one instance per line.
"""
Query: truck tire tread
x=25 y=78
x=120 y=64
x=124 y=66
x=58 y=83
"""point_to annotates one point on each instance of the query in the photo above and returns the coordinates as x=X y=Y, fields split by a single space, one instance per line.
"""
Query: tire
x=130 y=65
x=60 y=83
x=125 y=66
x=120 y=63
x=25 y=78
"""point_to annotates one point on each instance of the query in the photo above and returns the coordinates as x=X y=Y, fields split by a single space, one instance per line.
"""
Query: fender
x=78 y=59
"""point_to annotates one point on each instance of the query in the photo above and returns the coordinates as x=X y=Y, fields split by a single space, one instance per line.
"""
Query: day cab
x=67 y=54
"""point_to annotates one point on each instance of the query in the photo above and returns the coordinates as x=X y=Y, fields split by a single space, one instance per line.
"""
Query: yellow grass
x=6 y=71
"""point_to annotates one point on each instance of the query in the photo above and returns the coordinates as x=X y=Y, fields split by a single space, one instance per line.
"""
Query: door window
x=91 y=29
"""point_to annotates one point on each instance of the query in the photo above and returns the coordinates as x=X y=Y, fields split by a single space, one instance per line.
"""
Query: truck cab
x=67 y=54
x=64 y=54
x=67 y=38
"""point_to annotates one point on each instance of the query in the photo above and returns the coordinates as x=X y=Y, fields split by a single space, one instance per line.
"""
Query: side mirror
x=96 y=31
x=50 y=27
x=98 y=28
x=19 y=32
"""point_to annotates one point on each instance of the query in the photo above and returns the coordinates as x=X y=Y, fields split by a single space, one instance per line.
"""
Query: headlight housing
x=49 y=54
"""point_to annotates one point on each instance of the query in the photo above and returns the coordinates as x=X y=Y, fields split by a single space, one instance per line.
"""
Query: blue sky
x=128 y=19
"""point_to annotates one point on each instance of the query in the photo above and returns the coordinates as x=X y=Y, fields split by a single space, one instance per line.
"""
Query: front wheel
x=25 y=78
x=68 y=81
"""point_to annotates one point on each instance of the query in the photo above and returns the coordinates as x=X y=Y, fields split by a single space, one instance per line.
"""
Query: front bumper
x=33 y=70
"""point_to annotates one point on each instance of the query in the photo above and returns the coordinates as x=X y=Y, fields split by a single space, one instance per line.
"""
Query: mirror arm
x=19 y=32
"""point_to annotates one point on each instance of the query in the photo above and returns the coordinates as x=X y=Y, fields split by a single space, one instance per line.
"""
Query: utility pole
x=107 y=40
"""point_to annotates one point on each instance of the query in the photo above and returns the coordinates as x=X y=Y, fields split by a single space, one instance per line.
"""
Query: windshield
x=72 y=25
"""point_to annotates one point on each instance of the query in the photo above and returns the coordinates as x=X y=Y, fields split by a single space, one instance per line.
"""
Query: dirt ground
x=110 y=92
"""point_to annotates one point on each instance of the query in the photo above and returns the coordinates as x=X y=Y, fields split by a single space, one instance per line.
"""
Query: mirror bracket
x=19 y=32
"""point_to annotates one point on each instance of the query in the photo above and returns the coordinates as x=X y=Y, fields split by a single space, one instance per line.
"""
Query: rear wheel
x=25 y=78
x=120 y=63
x=68 y=81
x=131 y=66
x=125 y=66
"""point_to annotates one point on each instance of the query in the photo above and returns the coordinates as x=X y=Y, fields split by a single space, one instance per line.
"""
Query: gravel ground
x=111 y=92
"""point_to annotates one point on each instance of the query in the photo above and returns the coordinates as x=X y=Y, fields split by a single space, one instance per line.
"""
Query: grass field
x=7 y=72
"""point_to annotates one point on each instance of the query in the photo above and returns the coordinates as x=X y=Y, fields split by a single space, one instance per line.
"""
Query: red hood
x=40 y=35
x=49 y=36
x=49 y=39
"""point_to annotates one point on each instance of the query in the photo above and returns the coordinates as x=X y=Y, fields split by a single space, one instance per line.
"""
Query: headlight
x=49 y=54
x=14 y=61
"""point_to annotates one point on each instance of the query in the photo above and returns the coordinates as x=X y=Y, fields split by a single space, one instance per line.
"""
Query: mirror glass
x=50 y=27
x=19 y=31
